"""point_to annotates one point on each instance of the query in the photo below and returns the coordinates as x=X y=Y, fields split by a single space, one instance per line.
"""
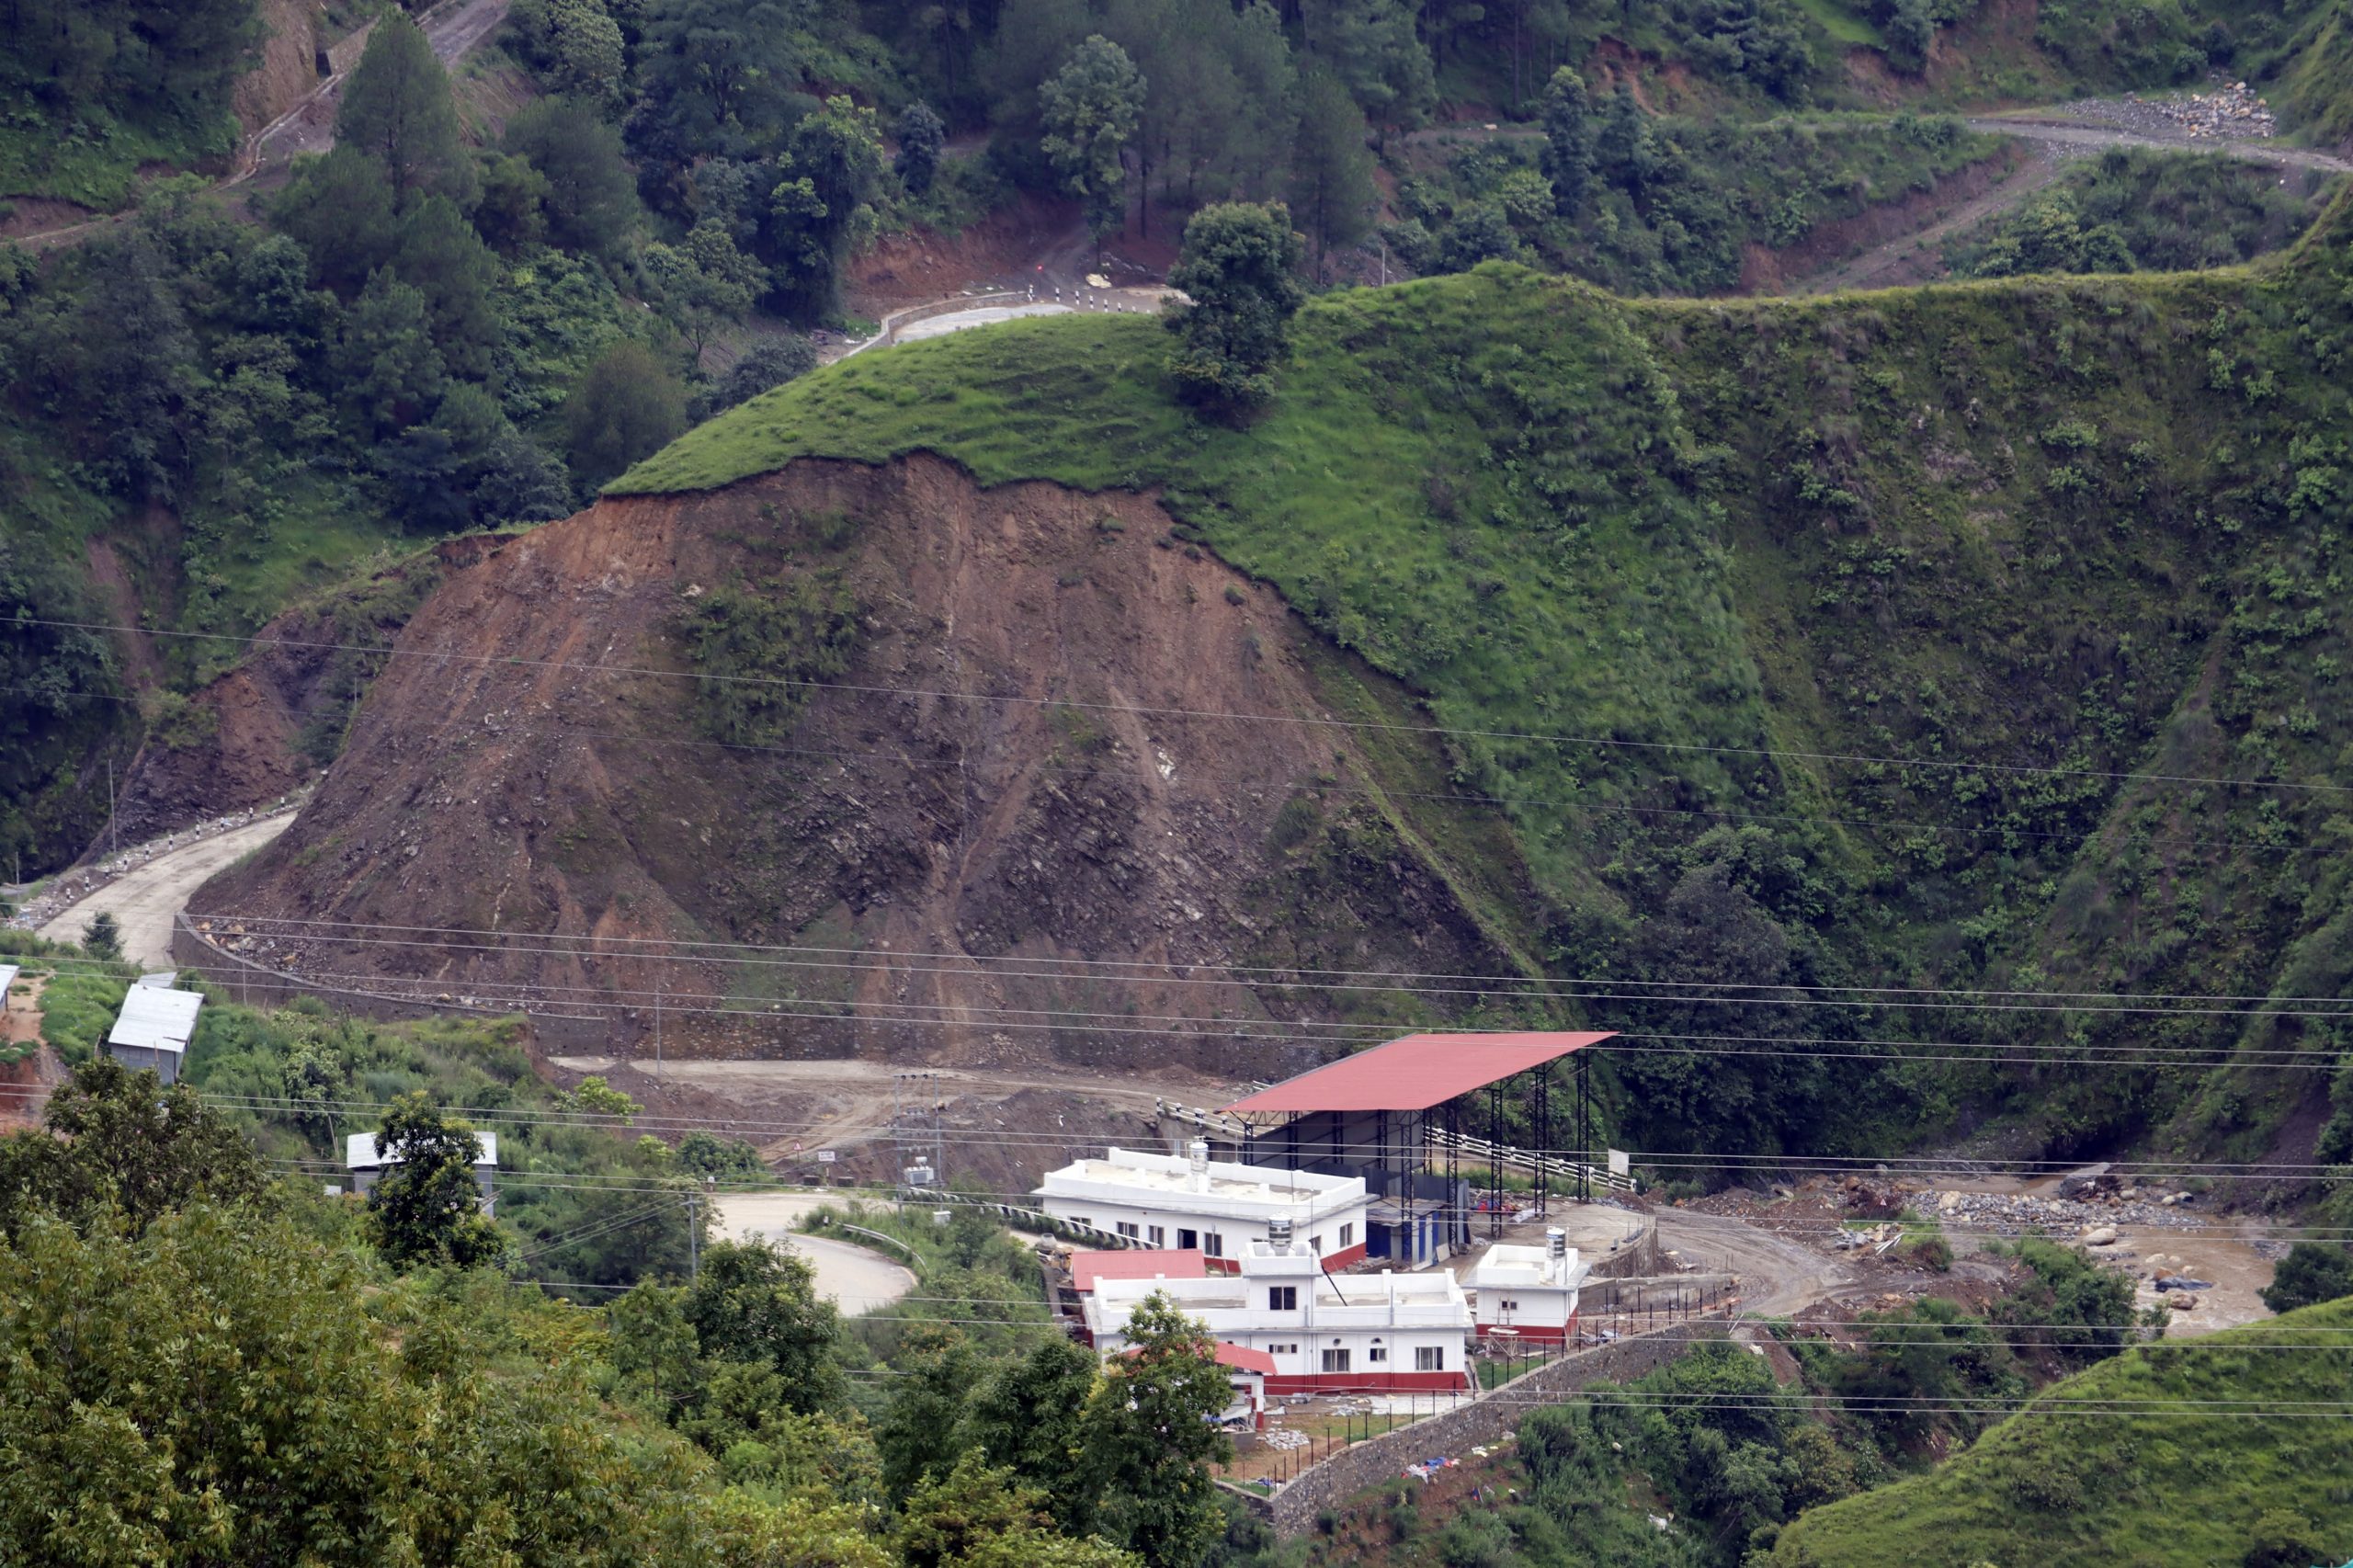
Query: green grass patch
x=2184 y=1483
x=96 y=167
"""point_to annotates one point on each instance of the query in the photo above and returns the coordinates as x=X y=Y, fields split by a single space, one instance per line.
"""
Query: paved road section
x=986 y=315
x=853 y=1278
x=145 y=900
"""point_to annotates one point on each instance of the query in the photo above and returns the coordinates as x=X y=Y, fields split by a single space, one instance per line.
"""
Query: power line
x=1297 y=977
x=1374 y=726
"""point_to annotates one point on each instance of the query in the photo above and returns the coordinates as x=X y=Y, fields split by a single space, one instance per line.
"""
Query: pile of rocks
x=2229 y=111
x=2226 y=111
x=2134 y=1205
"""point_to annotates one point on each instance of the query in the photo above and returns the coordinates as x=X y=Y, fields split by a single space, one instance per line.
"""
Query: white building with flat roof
x=1370 y=1333
x=1191 y=1200
x=1529 y=1293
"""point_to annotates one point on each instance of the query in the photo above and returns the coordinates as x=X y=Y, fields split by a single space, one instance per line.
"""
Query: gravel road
x=855 y=1279
x=147 y=899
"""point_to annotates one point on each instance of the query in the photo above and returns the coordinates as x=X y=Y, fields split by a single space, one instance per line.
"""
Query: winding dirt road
x=145 y=900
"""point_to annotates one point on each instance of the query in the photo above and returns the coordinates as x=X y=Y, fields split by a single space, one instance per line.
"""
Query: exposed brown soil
x=244 y=746
x=919 y=265
x=287 y=70
x=1765 y=270
x=1050 y=820
x=25 y=1085
x=111 y=579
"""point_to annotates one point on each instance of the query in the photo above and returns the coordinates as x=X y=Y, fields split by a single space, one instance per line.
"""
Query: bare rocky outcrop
x=1062 y=733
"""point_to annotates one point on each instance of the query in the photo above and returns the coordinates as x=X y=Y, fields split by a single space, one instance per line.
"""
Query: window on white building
x=1348 y=1235
x=1315 y=1245
x=1127 y=1228
x=1282 y=1298
x=1429 y=1358
x=1212 y=1244
x=1282 y=1349
x=1185 y=1238
x=1159 y=1237
x=1335 y=1361
x=1377 y=1354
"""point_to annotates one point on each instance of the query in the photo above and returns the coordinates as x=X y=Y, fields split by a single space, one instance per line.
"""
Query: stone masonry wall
x=1292 y=1511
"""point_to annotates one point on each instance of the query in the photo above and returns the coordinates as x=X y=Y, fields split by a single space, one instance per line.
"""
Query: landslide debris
x=885 y=716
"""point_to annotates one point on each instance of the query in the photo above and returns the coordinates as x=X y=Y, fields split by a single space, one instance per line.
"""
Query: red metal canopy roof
x=1415 y=1073
x=1242 y=1358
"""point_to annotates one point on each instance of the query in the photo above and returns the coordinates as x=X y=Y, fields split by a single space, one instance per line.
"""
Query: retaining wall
x=273 y=987
x=1293 y=1510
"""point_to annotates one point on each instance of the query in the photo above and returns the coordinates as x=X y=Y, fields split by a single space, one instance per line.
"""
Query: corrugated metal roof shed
x=155 y=1019
x=359 y=1152
x=1415 y=1073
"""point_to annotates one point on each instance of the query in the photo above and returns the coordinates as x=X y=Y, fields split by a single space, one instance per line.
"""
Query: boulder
x=2100 y=1236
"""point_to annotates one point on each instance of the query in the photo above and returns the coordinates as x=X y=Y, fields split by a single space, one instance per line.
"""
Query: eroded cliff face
x=1017 y=746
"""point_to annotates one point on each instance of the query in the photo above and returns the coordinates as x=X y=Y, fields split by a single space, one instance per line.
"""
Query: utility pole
x=114 y=833
x=657 y=1029
x=694 y=1239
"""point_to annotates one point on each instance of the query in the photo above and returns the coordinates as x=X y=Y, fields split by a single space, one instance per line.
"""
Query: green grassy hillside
x=1803 y=641
x=2198 y=1484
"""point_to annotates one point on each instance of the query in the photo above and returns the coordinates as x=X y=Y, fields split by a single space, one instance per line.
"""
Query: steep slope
x=602 y=732
x=2181 y=1454
x=1979 y=637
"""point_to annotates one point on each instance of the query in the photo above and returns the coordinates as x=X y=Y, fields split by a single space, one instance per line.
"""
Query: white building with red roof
x=1319 y=1331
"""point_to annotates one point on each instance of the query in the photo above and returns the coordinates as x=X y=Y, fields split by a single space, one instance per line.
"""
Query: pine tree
x=397 y=110
x=1331 y=169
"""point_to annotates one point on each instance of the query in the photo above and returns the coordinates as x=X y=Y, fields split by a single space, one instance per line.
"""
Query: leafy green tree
x=426 y=1208
x=1150 y=1435
x=591 y=202
x=921 y=134
x=397 y=112
x=1909 y=29
x=708 y=1155
x=974 y=1516
x=627 y=407
x=1331 y=168
x=1371 y=46
x=765 y=365
x=116 y=1142
x=574 y=46
x=102 y=938
x=386 y=365
x=441 y=255
x=920 y=1436
x=1624 y=152
x=1240 y=269
x=1568 y=140
x=819 y=208
x=513 y=213
x=2310 y=1272
x=1267 y=81
x=1480 y=233
x=756 y=1304
x=1090 y=108
x=135 y=367
x=973 y=1233
x=705 y=283
x=243 y=1393
x=339 y=209
x=1030 y=1418
x=716 y=76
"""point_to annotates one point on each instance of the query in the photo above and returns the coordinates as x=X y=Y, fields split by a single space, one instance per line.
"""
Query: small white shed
x=155 y=1026
x=368 y=1164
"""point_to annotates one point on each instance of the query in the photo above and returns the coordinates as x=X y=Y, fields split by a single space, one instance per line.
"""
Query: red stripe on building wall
x=1367 y=1382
